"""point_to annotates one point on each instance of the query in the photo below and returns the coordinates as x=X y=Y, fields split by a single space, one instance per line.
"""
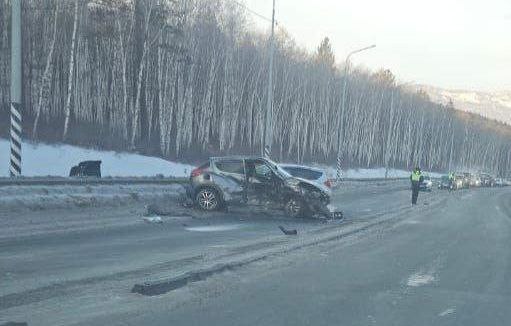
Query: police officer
x=416 y=178
x=451 y=181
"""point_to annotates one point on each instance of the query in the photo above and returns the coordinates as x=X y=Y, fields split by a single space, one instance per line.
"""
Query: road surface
x=444 y=262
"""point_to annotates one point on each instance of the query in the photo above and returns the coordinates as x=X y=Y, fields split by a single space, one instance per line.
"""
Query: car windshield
x=255 y=162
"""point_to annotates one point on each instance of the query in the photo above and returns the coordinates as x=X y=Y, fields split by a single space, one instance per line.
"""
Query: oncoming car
x=426 y=184
x=223 y=181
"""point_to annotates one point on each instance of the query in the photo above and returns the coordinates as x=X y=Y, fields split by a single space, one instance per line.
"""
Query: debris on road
x=288 y=232
x=153 y=209
x=152 y=219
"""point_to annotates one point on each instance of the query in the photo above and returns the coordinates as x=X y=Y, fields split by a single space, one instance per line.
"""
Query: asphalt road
x=445 y=262
x=446 y=265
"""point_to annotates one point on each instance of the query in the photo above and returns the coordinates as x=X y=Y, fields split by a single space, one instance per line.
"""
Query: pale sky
x=460 y=44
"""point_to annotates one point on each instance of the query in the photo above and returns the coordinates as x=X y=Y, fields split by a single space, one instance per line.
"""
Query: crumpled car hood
x=318 y=185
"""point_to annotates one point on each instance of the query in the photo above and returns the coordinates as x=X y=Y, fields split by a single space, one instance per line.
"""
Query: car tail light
x=200 y=170
x=328 y=183
x=196 y=172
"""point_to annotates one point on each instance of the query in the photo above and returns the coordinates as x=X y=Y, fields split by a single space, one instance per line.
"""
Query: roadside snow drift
x=57 y=160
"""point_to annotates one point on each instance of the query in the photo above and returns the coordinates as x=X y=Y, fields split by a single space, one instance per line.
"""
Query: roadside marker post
x=16 y=102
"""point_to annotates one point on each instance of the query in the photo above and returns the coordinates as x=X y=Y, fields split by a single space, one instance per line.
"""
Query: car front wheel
x=208 y=199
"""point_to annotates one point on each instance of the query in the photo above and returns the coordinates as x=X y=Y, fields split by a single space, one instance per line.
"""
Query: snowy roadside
x=41 y=159
x=56 y=160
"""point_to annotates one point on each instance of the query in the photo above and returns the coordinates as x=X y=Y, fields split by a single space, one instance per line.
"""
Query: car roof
x=236 y=157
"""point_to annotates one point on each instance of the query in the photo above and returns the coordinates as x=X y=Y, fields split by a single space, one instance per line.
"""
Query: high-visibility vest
x=416 y=176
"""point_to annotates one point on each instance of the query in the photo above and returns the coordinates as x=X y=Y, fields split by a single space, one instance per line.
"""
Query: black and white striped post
x=16 y=106
x=267 y=152
x=339 y=168
x=15 y=167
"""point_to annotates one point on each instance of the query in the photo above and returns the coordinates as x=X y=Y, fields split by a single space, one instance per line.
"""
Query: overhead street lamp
x=342 y=131
x=268 y=124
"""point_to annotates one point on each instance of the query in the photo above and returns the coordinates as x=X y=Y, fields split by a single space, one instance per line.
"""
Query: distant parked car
x=459 y=182
x=426 y=184
x=444 y=183
x=315 y=175
x=466 y=180
x=86 y=169
x=501 y=182
x=487 y=180
x=475 y=180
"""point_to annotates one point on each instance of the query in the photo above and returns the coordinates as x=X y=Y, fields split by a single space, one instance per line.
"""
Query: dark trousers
x=415 y=192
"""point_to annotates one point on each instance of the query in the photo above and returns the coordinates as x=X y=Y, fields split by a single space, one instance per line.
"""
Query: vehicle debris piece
x=288 y=232
x=153 y=209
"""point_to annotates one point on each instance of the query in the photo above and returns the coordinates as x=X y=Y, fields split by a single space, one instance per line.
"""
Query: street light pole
x=342 y=131
x=16 y=107
x=268 y=124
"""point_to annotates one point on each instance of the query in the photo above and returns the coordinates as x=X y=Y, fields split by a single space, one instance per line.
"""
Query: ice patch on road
x=214 y=228
x=447 y=312
x=420 y=279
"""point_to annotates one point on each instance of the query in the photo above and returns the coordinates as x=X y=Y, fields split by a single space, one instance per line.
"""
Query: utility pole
x=16 y=105
x=342 y=131
x=268 y=124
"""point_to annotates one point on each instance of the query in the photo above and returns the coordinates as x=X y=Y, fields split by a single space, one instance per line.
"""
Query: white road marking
x=214 y=228
x=447 y=312
x=420 y=279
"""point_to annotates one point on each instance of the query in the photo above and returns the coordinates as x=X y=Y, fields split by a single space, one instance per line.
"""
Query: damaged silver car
x=224 y=181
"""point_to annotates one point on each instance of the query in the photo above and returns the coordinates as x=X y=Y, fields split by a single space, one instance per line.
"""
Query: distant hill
x=491 y=105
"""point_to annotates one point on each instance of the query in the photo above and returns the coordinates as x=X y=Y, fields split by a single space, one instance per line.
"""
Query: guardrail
x=62 y=181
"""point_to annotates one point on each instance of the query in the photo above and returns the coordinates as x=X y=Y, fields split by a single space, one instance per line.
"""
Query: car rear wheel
x=208 y=199
x=294 y=207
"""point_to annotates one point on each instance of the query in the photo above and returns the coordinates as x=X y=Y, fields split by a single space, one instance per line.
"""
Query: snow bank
x=13 y=198
x=57 y=160
x=374 y=173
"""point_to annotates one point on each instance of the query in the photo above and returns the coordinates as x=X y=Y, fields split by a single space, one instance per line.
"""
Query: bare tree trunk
x=44 y=89
x=67 y=108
